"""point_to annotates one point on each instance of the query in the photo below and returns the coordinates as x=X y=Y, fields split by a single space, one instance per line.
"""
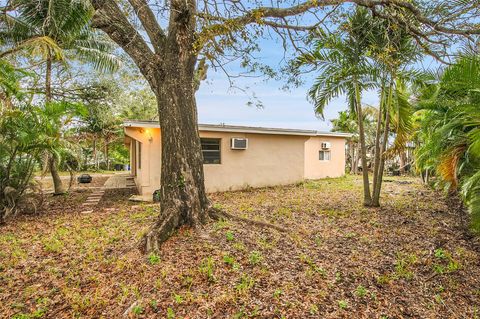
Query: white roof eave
x=244 y=129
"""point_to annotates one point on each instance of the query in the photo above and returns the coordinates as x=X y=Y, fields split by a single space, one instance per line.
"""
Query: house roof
x=242 y=129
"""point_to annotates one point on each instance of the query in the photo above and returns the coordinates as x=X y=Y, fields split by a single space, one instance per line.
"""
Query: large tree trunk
x=367 y=198
x=57 y=181
x=183 y=197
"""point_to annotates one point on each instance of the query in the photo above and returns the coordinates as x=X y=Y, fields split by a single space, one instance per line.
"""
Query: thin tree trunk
x=379 y=177
x=107 y=162
x=358 y=152
x=94 y=152
x=367 y=198
x=378 y=135
x=351 y=150
x=52 y=162
x=402 y=162
x=48 y=78
x=57 y=181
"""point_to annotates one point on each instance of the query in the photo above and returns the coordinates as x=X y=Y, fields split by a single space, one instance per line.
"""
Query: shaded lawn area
x=409 y=259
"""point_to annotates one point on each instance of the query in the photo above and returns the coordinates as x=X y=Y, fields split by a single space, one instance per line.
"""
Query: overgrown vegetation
x=449 y=132
x=406 y=259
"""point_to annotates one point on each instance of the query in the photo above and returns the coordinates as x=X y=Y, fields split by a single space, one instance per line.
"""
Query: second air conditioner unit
x=239 y=143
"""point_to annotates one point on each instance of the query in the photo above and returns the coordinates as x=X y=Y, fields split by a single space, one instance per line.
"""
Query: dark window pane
x=324 y=155
x=210 y=150
x=139 y=155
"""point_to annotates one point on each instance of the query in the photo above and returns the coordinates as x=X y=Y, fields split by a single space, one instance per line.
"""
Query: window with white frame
x=324 y=155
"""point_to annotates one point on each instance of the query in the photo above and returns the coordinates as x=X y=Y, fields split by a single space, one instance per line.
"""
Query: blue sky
x=218 y=103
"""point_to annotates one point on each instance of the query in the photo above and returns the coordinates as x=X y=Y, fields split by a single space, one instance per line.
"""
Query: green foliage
x=207 y=268
x=343 y=304
x=277 y=293
x=341 y=59
x=137 y=310
x=59 y=30
x=255 y=257
x=449 y=135
x=170 y=313
x=153 y=259
x=22 y=141
x=230 y=260
x=229 y=235
x=361 y=291
x=404 y=265
x=246 y=282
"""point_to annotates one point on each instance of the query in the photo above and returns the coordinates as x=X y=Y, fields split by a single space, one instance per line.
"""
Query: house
x=237 y=157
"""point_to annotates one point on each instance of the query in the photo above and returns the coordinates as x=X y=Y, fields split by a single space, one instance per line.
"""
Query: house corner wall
x=314 y=167
x=147 y=161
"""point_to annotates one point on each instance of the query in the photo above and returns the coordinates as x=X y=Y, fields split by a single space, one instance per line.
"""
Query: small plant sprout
x=361 y=291
x=207 y=268
x=229 y=260
x=255 y=257
x=154 y=304
x=342 y=304
x=170 y=313
x=177 y=298
x=245 y=284
x=137 y=310
x=153 y=259
x=440 y=253
x=277 y=293
x=229 y=235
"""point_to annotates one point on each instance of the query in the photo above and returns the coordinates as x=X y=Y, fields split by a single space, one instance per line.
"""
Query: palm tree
x=347 y=122
x=21 y=143
x=56 y=30
x=392 y=49
x=344 y=68
x=54 y=117
x=450 y=131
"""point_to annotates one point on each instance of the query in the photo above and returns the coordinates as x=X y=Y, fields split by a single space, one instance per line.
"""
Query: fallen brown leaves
x=408 y=259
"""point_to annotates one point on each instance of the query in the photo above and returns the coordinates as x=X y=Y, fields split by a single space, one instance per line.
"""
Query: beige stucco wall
x=315 y=168
x=147 y=177
x=269 y=160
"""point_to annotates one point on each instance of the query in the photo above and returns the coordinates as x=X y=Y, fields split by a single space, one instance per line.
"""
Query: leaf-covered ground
x=409 y=259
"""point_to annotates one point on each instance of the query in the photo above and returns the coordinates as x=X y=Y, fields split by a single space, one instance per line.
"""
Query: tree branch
x=109 y=18
x=150 y=23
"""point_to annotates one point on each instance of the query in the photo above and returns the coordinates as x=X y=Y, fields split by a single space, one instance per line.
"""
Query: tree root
x=160 y=232
x=216 y=214
x=171 y=221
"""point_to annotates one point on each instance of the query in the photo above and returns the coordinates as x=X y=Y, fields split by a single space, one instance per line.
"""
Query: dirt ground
x=411 y=258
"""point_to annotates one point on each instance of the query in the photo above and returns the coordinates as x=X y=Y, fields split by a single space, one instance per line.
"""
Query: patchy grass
x=408 y=259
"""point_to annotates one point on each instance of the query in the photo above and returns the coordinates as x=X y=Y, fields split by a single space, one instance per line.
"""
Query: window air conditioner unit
x=239 y=143
x=326 y=145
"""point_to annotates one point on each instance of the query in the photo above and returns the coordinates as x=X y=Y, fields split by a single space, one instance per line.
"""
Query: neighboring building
x=237 y=157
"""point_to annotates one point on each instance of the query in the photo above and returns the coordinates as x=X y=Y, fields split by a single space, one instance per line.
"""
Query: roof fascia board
x=242 y=129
